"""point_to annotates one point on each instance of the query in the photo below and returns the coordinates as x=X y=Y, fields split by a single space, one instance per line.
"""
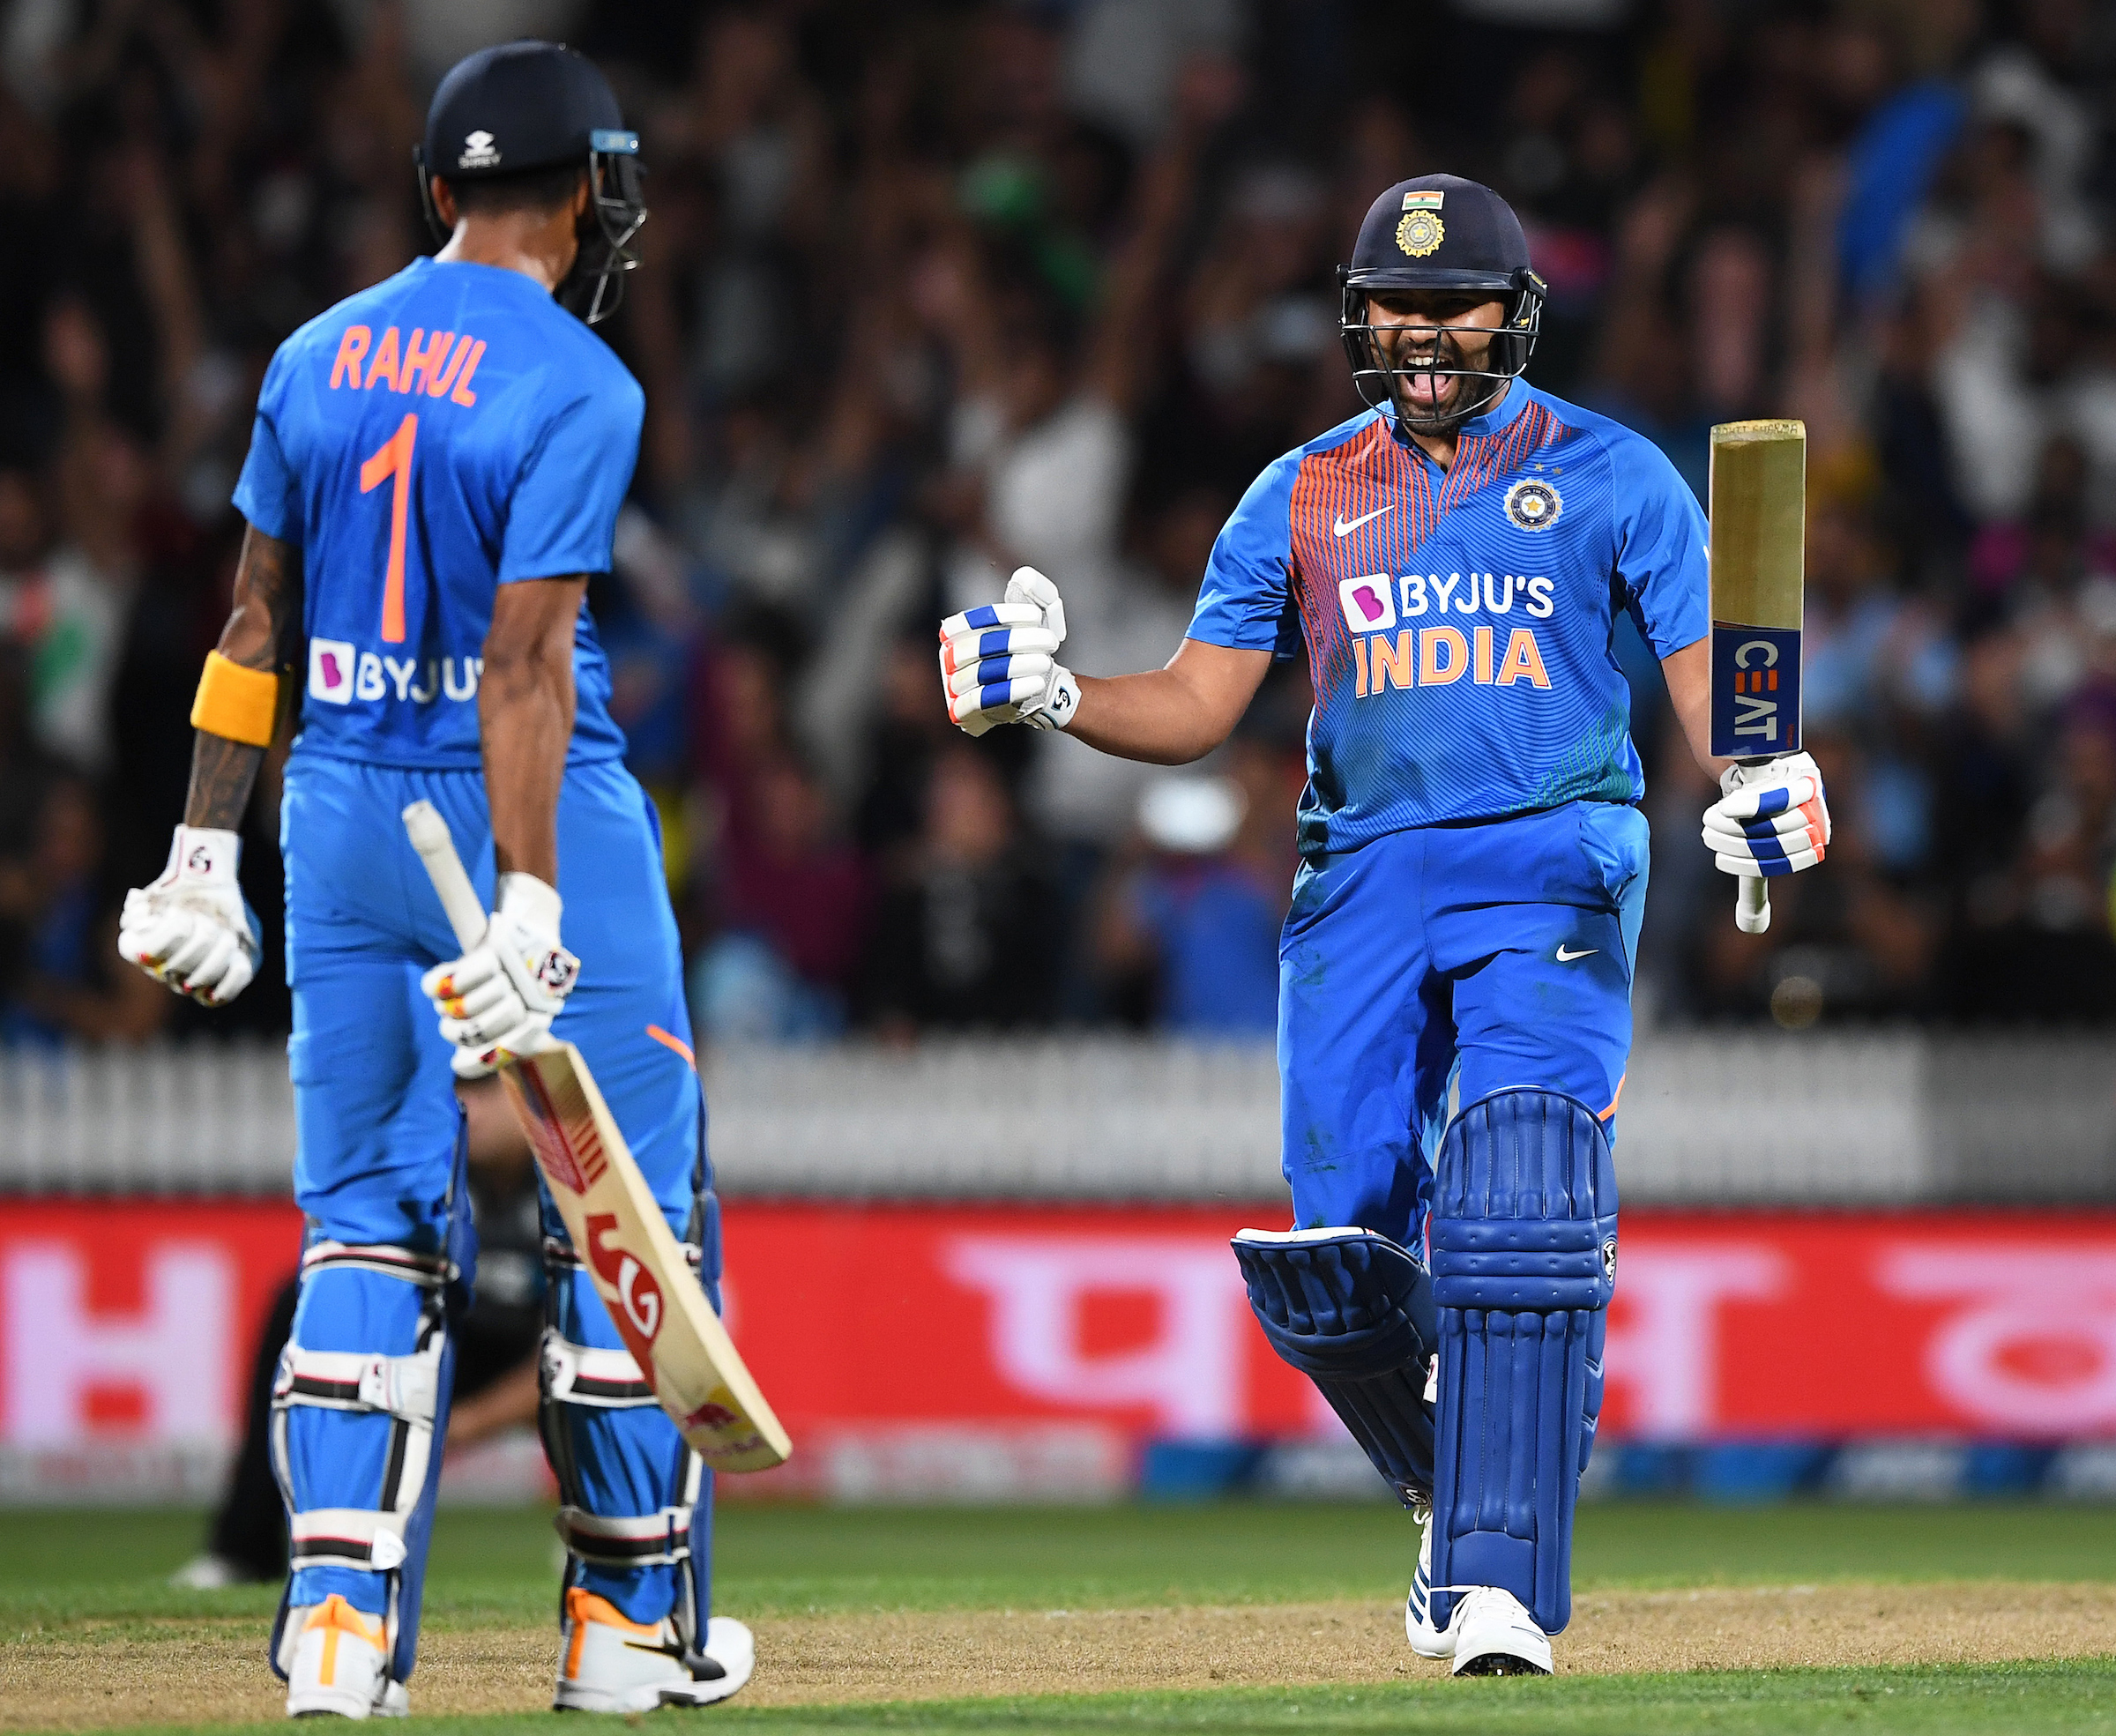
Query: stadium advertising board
x=1019 y=1349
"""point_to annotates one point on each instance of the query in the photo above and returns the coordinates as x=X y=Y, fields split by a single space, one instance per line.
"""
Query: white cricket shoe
x=1491 y=1634
x=336 y=1665
x=610 y=1664
x=1426 y=1640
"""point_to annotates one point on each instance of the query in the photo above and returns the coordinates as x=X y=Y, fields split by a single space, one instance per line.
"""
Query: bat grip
x=1751 y=903
x=436 y=848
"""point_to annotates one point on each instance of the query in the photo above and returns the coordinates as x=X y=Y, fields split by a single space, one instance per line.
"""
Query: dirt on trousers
x=97 y=1674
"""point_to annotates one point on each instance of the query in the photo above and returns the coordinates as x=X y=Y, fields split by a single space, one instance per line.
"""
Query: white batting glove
x=1773 y=818
x=999 y=662
x=497 y=1000
x=191 y=929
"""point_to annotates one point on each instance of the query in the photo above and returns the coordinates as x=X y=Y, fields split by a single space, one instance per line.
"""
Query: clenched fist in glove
x=999 y=662
x=497 y=1000
x=191 y=928
x=1772 y=819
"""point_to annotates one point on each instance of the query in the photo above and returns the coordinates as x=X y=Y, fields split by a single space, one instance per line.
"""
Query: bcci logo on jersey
x=339 y=672
x=1533 y=504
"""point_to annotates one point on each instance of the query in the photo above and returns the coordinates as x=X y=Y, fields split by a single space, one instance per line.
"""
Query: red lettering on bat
x=547 y=1131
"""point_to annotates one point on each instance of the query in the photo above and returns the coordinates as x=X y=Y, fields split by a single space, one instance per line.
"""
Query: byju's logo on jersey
x=339 y=672
x=478 y=152
x=331 y=663
x=1533 y=504
x=1368 y=602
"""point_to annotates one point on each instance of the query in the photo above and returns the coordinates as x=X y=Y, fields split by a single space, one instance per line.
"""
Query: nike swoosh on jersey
x=1565 y=958
x=1342 y=529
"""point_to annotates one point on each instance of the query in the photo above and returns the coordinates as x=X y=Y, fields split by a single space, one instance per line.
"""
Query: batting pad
x=359 y=1411
x=1523 y=1242
x=1354 y=1312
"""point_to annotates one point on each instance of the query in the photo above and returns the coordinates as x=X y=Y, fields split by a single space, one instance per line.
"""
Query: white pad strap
x=430 y=1271
x=346 y=1537
x=653 y=1539
x=402 y=1386
x=607 y=1380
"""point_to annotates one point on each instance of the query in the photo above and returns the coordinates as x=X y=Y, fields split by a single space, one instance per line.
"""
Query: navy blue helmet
x=520 y=107
x=1441 y=232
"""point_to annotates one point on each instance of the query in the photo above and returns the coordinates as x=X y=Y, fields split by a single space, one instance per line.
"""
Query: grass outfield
x=1003 y=1602
x=1929 y=1702
x=497 y=1566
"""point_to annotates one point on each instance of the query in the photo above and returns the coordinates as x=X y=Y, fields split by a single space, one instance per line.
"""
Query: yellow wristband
x=242 y=704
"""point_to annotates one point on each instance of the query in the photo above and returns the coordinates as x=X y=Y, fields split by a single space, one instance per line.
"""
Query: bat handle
x=459 y=900
x=1751 y=903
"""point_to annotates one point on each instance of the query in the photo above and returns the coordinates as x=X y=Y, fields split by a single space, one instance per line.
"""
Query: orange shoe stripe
x=335 y=1616
x=584 y=1605
x=579 y=1642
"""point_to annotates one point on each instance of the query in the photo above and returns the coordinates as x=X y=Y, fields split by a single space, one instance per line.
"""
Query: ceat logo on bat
x=1368 y=602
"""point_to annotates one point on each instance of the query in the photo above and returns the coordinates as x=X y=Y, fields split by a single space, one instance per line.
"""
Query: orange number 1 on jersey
x=393 y=460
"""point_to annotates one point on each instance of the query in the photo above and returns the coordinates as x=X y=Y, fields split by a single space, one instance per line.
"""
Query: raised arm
x=1173 y=715
x=526 y=719
x=999 y=664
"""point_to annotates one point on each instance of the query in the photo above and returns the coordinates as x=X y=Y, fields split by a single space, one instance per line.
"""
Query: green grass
x=489 y=1568
x=497 y=1566
x=1963 y=1700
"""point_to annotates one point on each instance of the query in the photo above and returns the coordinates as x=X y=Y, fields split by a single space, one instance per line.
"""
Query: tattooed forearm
x=222 y=773
x=268 y=602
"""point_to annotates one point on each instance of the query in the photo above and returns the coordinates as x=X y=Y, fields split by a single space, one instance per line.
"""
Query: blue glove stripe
x=995 y=669
x=1774 y=801
x=1768 y=850
x=995 y=645
x=983 y=616
x=994 y=693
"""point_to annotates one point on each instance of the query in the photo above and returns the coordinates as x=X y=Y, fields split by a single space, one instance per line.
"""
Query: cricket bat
x=638 y=1267
x=1759 y=514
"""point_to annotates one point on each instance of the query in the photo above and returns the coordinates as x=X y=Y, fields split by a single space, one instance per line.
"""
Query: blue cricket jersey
x=449 y=431
x=1460 y=623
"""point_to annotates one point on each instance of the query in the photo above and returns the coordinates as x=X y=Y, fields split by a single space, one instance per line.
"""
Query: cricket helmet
x=1441 y=232
x=521 y=106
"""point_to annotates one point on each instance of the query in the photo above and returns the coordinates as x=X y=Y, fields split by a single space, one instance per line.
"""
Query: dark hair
x=529 y=190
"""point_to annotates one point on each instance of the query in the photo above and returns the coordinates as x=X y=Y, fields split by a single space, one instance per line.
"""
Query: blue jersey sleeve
x=267 y=494
x=1661 y=558
x=564 y=516
x=1244 y=602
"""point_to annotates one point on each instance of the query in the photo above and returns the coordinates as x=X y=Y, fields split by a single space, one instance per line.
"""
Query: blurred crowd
x=935 y=289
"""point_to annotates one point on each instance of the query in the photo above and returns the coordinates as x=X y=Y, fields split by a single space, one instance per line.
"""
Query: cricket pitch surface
x=1926 y=1619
